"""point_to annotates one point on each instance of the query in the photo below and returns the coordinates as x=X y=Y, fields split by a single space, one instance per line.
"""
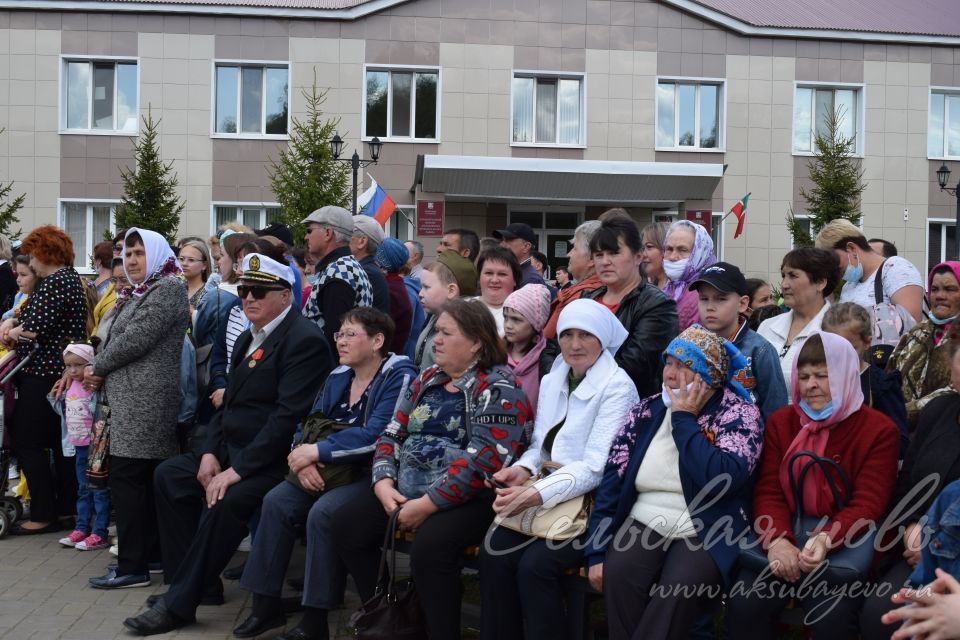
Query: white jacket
x=591 y=417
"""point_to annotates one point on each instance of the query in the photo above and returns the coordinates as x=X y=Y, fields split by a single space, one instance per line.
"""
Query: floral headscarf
x=161 y=263
x=701 y=257
x=940 y=329
x=715 y=359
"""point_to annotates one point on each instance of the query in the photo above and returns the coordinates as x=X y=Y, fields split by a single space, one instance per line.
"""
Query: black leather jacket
x=650 y=318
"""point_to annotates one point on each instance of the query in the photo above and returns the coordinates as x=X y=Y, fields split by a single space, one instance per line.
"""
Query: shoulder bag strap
x=878 y=284
x=383 y=574
x=825 y=464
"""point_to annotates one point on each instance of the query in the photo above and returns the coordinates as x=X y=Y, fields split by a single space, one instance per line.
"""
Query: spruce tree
x=306 y=177
x=150 y=199
x=8 y=210
x=838 y=182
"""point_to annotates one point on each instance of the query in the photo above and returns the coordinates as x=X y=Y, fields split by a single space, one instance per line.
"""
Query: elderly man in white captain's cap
x=204 y=502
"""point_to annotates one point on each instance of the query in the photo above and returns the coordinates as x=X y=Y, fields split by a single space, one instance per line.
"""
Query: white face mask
x=666 y=396
x=675 y=269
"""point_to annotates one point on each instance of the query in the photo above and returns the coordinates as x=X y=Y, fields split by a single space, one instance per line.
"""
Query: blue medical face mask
x=939 y=321
x=853 y=273
x=823 y=414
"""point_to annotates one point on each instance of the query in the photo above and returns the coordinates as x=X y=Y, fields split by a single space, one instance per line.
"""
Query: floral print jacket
x=496 y=433
x=719 y=451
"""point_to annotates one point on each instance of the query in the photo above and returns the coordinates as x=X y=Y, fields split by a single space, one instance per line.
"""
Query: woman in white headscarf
x=139 y=367
x=583 y=401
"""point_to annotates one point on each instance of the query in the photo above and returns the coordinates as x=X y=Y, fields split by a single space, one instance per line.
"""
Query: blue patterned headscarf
x=701 y=257
x=715 y=359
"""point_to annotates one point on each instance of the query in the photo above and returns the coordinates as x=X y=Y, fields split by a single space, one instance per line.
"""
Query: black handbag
x=393 y=613
x=846 y=564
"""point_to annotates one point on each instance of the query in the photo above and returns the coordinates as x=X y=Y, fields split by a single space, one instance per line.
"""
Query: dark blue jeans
x=93 y=505
x=284 y=507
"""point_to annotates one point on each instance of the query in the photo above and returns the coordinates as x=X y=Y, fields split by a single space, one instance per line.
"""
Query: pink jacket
x=688 y=309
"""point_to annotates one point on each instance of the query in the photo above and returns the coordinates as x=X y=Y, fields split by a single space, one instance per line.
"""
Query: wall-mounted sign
x=704 y=218
x=429 y=218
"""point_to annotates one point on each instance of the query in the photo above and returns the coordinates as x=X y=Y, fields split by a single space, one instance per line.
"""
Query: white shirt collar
x=260 y=336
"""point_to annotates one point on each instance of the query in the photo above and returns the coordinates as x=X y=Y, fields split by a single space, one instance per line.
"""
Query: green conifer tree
x=306 y=176
x=838 y=182
x=150 y=199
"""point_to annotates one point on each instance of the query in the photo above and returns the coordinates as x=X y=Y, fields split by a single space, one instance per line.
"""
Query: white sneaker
x=245 y=544
x=114 y=550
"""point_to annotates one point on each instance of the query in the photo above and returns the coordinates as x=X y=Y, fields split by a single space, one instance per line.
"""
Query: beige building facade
x=541 y=111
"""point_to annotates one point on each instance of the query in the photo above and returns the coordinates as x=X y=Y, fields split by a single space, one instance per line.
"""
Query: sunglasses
x=258 y=293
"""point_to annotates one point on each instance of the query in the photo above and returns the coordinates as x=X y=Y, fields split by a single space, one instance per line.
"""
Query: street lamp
x=336 y=148
x=943 y=176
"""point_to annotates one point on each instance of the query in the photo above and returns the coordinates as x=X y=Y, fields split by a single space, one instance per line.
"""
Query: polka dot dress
x=57 y=313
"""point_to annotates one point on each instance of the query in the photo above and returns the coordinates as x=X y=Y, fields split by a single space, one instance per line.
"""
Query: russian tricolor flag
x=376 y=203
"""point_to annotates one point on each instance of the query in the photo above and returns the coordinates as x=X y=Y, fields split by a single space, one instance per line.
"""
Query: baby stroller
x=11 y=509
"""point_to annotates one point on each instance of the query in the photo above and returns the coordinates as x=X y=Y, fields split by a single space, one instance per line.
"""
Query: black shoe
x=20 y=530
x=155 y=620
x=295 y=583
x=299 y=634
x=254 y=626
x=234 y=573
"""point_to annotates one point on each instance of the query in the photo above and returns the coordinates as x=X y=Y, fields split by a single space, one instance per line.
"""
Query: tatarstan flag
x=740 y=210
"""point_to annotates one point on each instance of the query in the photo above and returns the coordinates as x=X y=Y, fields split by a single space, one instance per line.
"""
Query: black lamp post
x=943 y=175
x=336 y=148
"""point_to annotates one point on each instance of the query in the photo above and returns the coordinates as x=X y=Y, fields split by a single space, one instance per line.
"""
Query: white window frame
x=861 y=89
x=812 y=231
x=943 y=223
x=955 y=91
x=407 y=212
x=274 y=64
x=62 y=96
x=559 y=75
x=90 y=241
x=390 y=69
x=240 y=206
x=721 y=116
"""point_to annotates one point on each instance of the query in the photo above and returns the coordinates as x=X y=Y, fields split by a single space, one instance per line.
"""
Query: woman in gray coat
x=139 y=366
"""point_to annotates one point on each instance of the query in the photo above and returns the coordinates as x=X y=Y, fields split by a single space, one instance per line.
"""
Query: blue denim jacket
x=943 y=548
x=762 y=377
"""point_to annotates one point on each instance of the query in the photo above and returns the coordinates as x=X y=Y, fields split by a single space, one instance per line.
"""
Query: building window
x=99 y=96
x=255 y=216
x=806 y=224
x=251 y=99
x=87 y=223
x=400 y=225
x=689 y=115
x=401 y=104
x=943 y=127
x=812 y=105
x=547 y=110
x=940 y=236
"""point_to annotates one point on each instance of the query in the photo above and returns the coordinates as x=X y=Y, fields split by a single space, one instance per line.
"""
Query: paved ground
x=44 y=595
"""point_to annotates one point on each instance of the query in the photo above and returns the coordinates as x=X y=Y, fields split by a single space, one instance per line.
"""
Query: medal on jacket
x=256 y=355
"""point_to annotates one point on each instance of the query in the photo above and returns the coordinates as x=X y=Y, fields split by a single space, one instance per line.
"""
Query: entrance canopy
x=560 y=180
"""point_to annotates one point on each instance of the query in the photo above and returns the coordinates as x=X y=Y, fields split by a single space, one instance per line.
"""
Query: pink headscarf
x=843 y=366
x=85 y=351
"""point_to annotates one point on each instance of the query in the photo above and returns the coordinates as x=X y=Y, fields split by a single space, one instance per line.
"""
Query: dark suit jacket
x=264 y=402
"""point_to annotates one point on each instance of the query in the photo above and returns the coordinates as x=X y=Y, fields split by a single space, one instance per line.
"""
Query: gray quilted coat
x=140 y=361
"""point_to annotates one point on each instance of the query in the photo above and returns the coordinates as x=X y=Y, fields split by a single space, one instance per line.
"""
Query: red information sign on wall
x=429 y=218
x=704 y=218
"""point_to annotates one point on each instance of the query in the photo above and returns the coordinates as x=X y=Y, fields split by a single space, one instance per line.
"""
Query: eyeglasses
x=191 y=260
x=258 y=293
x=348 y=335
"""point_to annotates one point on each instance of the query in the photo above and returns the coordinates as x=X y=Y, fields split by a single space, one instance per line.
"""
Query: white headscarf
x=160 y=260
x=596 y=319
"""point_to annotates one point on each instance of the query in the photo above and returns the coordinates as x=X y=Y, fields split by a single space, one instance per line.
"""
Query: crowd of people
x=688 y=438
